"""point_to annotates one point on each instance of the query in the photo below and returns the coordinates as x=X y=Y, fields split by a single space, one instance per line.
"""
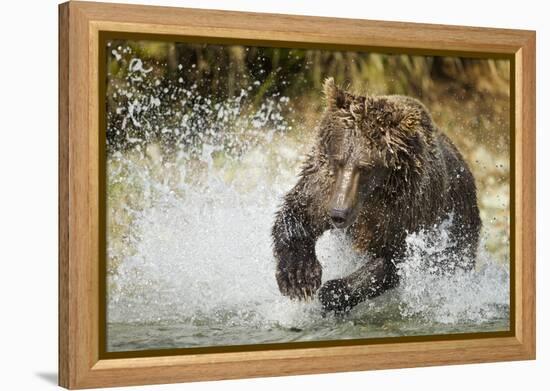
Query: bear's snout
x=340 y=217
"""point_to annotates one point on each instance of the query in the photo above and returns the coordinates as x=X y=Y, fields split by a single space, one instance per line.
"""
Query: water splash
x=461 y=296
x=210 y=250
x=202 y=259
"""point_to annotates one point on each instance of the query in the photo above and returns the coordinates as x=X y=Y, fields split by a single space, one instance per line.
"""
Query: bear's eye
x=338 y=161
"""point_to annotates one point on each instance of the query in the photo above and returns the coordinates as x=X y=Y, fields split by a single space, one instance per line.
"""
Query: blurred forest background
x=451 y=87
x=468 y=98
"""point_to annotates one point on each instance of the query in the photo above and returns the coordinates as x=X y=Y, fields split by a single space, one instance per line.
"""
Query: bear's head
x=373 y=146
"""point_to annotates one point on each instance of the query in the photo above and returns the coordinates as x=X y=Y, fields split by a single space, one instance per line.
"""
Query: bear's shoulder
x=409 y=107
x=404 y=102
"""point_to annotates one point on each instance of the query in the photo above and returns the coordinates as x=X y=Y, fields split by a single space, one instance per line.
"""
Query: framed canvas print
x=251 y=195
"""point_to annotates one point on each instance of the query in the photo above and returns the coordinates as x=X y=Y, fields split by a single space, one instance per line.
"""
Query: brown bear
x=380 y=169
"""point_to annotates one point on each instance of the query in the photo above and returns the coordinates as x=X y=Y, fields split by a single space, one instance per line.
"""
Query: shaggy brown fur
x=380 y=169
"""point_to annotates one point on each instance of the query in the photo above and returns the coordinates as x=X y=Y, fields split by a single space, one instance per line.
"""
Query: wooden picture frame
x=81 y=362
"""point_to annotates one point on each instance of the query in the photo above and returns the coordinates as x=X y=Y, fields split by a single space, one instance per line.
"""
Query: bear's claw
x=299 y=280
x=337 y=296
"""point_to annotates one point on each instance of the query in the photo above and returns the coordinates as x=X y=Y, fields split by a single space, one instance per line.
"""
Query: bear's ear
x=335 y=97
x=411 y=120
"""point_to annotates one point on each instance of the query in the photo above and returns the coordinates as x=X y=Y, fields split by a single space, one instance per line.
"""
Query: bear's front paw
x=336 y=295
x=299 y=279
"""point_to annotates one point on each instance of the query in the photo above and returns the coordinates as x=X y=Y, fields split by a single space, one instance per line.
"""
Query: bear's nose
x=339 y=217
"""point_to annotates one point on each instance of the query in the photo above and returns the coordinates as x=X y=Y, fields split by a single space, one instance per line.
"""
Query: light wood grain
x=80 y=24
x=290 y=28
x=64 y=324
x=525 y=217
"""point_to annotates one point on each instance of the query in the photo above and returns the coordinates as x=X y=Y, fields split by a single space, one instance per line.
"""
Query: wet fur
x=426 y=181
